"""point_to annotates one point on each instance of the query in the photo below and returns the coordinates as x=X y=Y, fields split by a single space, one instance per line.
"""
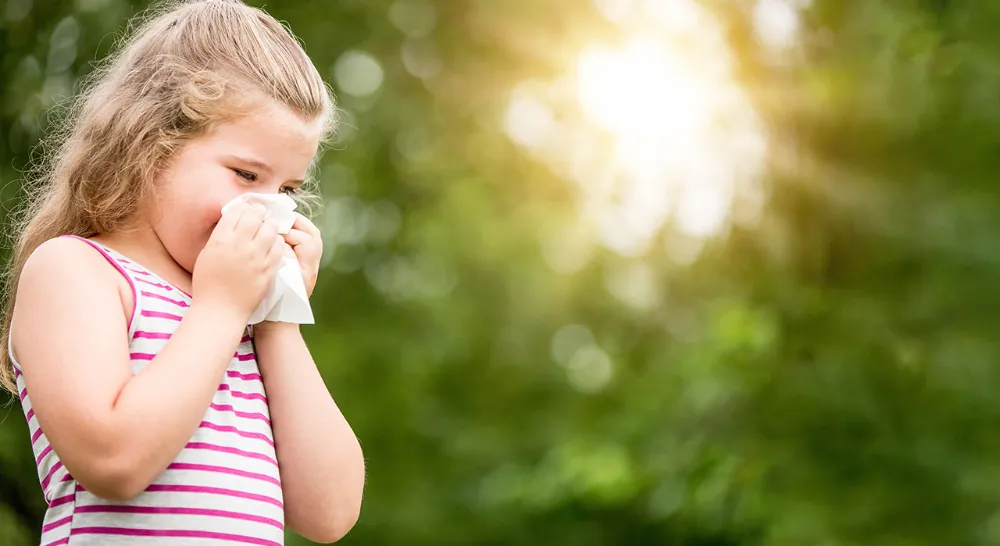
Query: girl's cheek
x=213 y=206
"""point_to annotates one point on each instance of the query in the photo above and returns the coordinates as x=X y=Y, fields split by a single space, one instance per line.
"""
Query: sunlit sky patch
x=661 y=134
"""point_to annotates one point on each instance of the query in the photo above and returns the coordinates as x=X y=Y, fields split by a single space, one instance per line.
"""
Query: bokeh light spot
x=358 y=73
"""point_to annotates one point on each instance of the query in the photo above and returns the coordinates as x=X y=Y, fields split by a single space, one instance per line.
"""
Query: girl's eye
x=289 y=190
x=246 y=175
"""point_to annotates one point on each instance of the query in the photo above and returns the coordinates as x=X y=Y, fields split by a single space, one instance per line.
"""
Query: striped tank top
x=224 y=485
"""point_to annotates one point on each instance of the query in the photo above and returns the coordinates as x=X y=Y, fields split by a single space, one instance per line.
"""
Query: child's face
x=267 y=152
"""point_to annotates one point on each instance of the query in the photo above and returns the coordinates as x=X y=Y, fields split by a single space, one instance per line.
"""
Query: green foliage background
x=826 y=376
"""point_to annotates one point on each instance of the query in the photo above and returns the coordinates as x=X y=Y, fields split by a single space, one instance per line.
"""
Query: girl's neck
x=144 y=246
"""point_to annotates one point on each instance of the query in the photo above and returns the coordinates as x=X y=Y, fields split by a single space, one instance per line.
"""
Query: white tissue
x=286 y=300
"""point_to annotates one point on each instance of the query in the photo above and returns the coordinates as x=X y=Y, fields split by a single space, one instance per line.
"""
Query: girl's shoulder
x=70 y=260
x=71 y=275
x=61 y=258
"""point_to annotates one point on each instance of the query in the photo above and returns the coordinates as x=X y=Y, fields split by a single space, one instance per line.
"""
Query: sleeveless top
x=223 y=487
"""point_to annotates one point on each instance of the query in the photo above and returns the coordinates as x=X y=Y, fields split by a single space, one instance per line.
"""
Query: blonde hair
x=186 y=67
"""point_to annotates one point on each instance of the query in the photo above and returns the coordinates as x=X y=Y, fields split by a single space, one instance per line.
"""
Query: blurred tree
x=822 y=374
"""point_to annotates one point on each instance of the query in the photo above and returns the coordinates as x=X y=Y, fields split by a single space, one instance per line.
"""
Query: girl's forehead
x=271 y=133
x=275 y=123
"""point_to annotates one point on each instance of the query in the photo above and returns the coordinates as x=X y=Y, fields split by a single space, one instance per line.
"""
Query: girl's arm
x=116 y=432
x=113 y=431
x=322 y=467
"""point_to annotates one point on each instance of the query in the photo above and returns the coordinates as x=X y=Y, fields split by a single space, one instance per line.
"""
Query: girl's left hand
x=307 y=243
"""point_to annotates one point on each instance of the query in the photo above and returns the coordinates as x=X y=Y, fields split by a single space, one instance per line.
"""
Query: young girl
x=156 y=415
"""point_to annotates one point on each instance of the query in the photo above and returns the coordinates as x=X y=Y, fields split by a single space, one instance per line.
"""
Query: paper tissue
x=286 y=300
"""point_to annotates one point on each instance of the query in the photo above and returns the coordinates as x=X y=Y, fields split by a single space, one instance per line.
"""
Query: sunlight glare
x=638 y=91
x=776 y=22
x=675 y=15
x=617 y=11
x=663 y=138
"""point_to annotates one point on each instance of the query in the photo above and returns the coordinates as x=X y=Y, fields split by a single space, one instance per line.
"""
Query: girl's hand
x=307 y=243
x=236 y=267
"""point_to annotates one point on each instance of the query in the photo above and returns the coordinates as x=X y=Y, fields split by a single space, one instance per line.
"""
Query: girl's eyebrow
x=251 y=162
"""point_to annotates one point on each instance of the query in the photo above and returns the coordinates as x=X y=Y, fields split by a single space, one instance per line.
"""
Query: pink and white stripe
x=223 y=487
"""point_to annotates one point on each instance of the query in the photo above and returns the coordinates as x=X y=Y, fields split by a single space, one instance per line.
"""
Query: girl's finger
x=304 y=224
x=232 y=216
x=307 y=252
x=251 y=220
x=297 y=237
x=266 y=234
x=276 y=251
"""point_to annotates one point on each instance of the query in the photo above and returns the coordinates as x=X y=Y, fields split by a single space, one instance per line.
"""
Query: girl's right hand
x=238 y=263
